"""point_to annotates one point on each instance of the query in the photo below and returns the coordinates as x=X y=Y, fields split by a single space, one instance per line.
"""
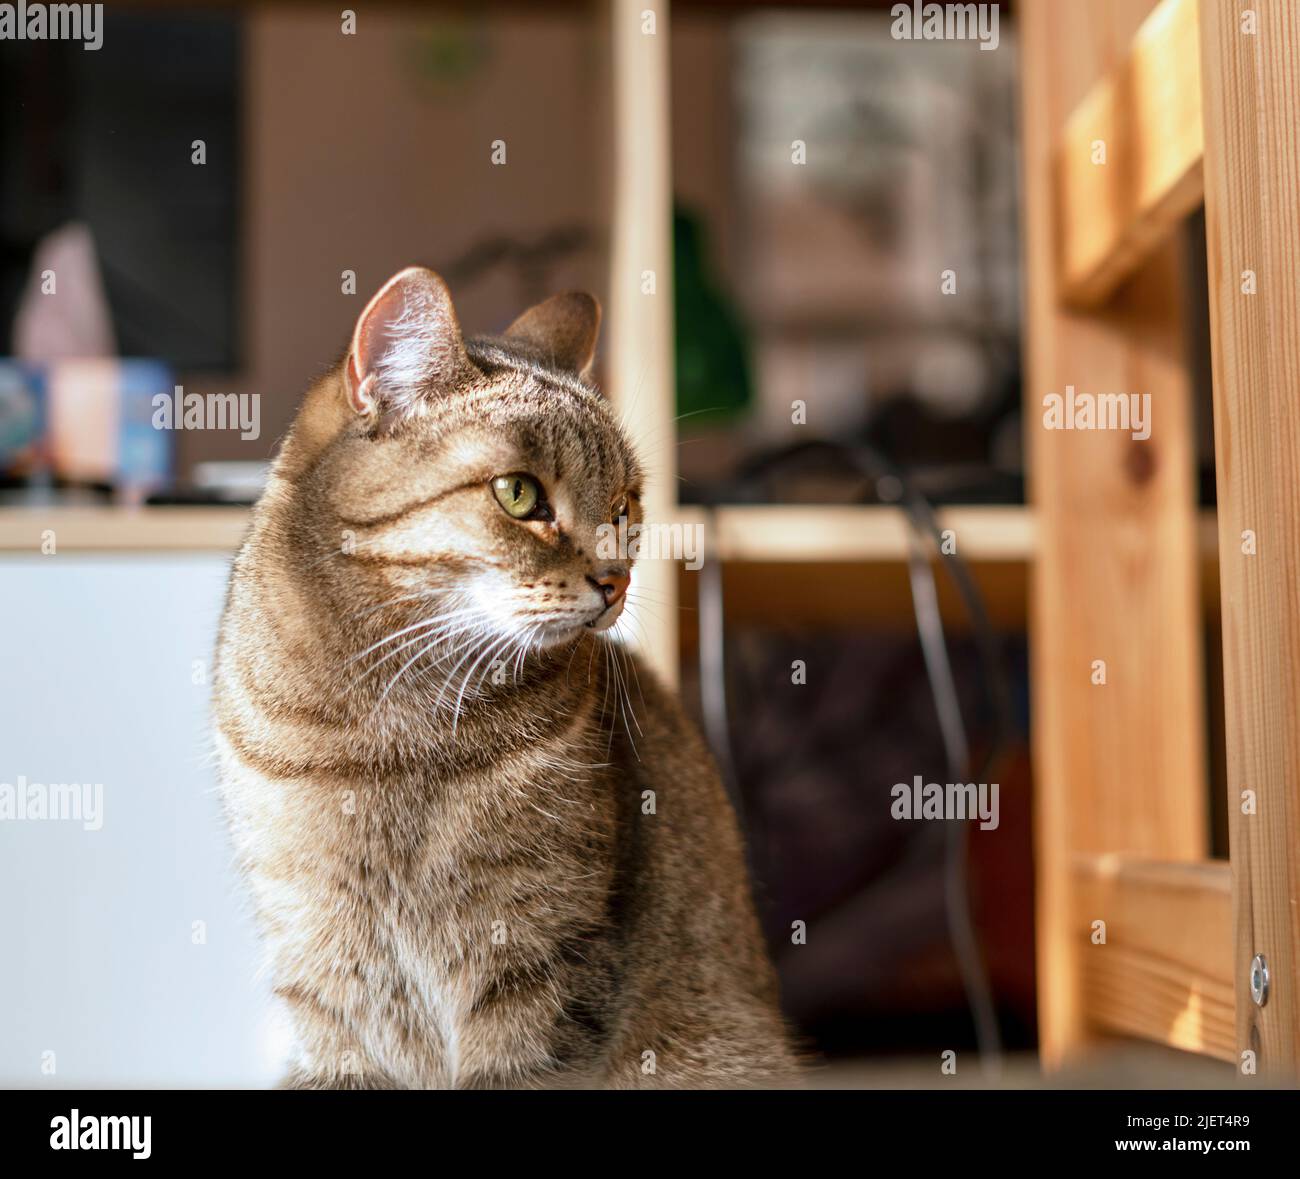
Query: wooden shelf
x=779 y=533
x=1165 y=971
x=845 y=534
x=758 y=534
x=116 y=529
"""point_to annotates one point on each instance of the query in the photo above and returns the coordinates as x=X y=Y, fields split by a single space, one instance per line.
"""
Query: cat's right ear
x=407 y=347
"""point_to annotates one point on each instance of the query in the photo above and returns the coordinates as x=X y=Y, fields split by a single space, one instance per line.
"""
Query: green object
x=450 y=52
x=712 y=364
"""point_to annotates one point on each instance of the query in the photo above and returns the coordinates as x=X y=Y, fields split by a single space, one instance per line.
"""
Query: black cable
x=891 y=486
x=961 y=925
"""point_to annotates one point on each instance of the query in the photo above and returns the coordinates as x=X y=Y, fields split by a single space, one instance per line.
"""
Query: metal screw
x=1259 y=980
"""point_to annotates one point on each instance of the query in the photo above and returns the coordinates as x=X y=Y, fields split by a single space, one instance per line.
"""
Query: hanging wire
x=924 y=537
x=956 y=896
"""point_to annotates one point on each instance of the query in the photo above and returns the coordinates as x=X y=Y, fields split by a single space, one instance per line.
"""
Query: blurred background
x=875 y=280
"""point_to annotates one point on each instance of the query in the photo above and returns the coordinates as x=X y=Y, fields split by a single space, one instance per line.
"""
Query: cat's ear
x=562 y=331
x=407 y=346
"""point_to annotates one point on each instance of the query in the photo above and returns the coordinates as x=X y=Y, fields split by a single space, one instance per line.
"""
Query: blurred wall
x=703 y=129
x=371 y=152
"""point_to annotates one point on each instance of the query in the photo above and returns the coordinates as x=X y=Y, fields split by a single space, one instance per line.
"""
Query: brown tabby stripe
x=541 y=881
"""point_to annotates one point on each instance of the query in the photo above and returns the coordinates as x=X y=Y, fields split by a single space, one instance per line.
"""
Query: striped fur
x=455 y=865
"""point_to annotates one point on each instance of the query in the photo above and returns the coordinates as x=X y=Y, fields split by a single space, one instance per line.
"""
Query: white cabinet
x=128 y=950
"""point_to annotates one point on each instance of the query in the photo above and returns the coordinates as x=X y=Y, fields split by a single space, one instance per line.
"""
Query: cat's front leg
x=328 y=1050
x=299 y=1078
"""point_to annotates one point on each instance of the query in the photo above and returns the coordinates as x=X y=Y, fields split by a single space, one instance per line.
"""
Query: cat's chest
x=496 y=893
x=490 y=856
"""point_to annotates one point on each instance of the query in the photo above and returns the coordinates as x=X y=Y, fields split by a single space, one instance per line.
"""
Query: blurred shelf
x=118 y=529
x=838 y=533
x=763 y=534
x=807 y=566
x=800 y=565
x=812 y=565
x=776 y=533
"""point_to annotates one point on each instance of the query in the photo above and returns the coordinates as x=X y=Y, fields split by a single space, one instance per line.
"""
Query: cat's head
x=475 y=488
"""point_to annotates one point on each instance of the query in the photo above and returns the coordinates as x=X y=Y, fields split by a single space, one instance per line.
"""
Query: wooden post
x=641 y=322
x=1119 y=766
x=1251 y=87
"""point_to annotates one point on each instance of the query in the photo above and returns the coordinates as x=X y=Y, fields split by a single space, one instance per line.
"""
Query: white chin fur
x=607 y=619
x=566 y=634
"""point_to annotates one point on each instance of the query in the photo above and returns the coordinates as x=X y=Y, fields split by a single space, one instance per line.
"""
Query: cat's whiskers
x=521 y=654
x=397 y=634
x=640 y=593
x=591 y=655
x=640 y=602
x=465 y=679
x=464 y=625
x=369 y=610
x=631 y=663
x=441 y=637
x=393 y=682
x=525 y=649
x=612 y=675
x=573 y=651
x=625 y=703
x=604 y=699
x=438 y=629
x=473 y=648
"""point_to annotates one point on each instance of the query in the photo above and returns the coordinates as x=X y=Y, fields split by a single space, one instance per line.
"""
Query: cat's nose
x=613 y=584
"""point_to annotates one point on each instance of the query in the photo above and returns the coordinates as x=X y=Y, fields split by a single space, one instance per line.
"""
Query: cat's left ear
x=562 y=331
x=407 y=347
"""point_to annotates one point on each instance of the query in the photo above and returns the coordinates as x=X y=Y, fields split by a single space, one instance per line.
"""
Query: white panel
x=96 y=926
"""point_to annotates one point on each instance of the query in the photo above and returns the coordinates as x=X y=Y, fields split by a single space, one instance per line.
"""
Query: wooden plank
x=109 y=529
x=640 y=347
x=772 y=533
x=1120 y=766
x=1164 y=971
x=775 y=533
x=1252 y=161
x=1147 y=115
x=839 y=532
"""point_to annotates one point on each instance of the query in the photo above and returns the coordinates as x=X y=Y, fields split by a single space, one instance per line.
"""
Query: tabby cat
x=484 y=845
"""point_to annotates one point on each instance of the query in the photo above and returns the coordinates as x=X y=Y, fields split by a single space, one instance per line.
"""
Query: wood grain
x=1165 y=970
x=640 y=340
x=126 y=530
x=1252 y=168
x=1120 y=767
x=1147 y=112
x=773 y=533
x=836 y=532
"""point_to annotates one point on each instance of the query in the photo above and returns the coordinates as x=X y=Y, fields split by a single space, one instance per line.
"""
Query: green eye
x=518 y=494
